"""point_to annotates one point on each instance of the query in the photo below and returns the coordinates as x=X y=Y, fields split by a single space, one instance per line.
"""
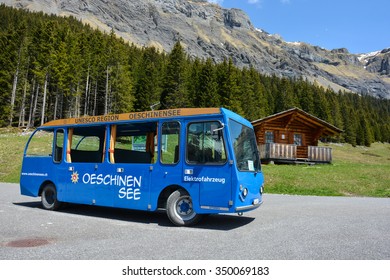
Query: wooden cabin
x=292 y=136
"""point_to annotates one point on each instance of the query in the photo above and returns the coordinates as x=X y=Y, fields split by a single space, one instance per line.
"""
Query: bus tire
x=180 y=210
x=49 y=198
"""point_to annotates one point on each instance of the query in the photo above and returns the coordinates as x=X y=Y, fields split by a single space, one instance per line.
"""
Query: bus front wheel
x=49 y=197
x=180 y=209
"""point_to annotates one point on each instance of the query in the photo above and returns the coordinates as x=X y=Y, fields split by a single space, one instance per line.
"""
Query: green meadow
x=355 y=171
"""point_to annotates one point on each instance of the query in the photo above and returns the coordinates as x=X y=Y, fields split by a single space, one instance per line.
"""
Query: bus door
x=37 y=164
x=132 y=158
x=206 y=164
x=83 y=172
x=169 y=169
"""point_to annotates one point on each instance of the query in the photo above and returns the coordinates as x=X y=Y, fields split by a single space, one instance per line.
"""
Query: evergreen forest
x=57 y=67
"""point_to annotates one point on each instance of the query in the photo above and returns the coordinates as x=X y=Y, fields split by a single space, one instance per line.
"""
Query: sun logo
x=74 y=177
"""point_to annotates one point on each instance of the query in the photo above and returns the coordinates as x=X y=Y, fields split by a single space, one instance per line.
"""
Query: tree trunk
x=55 y=106
x=86 y=95
x=77 y=101
x=23 y=106
x=95 y=98
x=44 y=100
x=106 y=96
x=31 y=105
x=35 y=107
x=13 y=94
x=61 y=105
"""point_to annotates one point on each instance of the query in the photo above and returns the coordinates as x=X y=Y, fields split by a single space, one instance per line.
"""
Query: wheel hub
x=184 y=207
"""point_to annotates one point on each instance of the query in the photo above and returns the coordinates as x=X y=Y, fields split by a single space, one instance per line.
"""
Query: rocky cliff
x=207 y=30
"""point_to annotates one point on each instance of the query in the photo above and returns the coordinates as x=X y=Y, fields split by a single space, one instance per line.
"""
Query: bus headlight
x=245 y=192
x=261 y=189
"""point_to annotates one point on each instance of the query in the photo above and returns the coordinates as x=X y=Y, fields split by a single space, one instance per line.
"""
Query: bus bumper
x=255 y=204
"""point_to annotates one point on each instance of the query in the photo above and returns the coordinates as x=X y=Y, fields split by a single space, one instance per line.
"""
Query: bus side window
x=86 y=144
x=169 y=148
x=59 y=145
x=41 y=144
x=134 y=143
x=205 y=143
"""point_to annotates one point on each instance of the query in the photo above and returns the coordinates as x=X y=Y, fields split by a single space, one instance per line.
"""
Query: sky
x=361 y=26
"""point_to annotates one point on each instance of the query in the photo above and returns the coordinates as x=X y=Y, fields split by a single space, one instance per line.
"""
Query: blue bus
x=188 y=162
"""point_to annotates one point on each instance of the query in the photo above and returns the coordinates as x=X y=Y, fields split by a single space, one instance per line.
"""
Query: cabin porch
x=290 y=153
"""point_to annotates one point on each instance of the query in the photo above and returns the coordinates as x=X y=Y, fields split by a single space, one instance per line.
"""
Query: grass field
x=12 y=144
x=359 y=171
x=355 y=171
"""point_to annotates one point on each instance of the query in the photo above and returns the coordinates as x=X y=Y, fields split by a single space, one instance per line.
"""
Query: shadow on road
x=210 y=222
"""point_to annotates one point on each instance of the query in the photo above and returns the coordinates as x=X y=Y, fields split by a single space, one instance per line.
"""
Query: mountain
x=208 y=30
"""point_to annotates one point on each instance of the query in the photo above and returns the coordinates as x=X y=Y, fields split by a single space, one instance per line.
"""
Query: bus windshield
x=245 y=148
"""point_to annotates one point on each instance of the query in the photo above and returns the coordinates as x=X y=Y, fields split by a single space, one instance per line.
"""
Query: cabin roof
x=301 y=116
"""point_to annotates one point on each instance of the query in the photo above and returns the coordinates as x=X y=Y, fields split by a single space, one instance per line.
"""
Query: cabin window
x=269 y=137
x=85 y=144
x=205 y=143
x=133 y=143
x=298 y=139
x=169 y=149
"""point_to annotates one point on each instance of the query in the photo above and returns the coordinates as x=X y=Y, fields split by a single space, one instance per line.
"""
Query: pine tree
x=321 y=104
x=228 y=88
x=305 y=95
x=6 y=63
x=252 y=94
x=350 y=133
x=193 y=83
x=208 y=93
x=174 y=93
x=286 y=97
x=122 y=82
x=147 y=89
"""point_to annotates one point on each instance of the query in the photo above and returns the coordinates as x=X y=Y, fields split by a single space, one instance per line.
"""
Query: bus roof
x=169 y=113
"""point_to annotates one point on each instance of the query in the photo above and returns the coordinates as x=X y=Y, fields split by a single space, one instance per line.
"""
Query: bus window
x=41 y=144
x=86 y=144
x=134 y=143
x=169 y=150
x=59 y=145
x=205 y=143
x=245 y=148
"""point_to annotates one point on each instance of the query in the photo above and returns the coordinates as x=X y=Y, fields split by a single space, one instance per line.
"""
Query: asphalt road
x=284 y=228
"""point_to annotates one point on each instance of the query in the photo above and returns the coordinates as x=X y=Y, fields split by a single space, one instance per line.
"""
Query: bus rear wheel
x=49 y=197
x=180 y=209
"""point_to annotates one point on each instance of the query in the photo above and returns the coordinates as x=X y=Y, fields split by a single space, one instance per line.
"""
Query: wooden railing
x=320 y=154
x=274 y=151
x=278 y=151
